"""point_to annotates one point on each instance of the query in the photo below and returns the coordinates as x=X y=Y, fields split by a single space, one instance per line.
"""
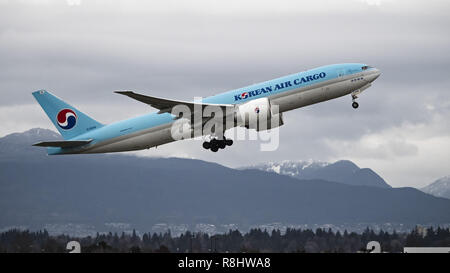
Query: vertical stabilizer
x=69 y=121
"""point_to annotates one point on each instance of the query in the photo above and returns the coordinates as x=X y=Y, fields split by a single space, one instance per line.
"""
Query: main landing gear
x=216 y=144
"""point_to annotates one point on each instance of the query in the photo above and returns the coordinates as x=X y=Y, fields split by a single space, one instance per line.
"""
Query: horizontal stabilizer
x=63 y=144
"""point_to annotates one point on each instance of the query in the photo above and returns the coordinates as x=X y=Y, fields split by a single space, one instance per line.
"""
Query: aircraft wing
x=63 y=143
x=166 y=105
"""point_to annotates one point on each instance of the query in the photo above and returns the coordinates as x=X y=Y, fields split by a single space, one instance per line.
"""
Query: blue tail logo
x=69 y=121
x=66 y=119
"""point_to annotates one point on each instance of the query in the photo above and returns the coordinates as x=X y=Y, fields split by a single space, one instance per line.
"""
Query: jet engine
x=258 y=114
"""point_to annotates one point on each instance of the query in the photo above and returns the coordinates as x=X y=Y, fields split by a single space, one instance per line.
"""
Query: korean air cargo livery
x=259 y=106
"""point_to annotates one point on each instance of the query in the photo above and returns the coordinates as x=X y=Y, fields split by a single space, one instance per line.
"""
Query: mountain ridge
x=342 y=171
x=36 y=189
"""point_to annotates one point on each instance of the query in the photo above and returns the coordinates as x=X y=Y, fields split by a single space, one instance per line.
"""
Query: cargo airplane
x=82 y=134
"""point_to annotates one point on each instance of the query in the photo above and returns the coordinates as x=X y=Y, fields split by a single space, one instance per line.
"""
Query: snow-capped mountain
x=439 y=188
x=292 y=168
x=343 y=171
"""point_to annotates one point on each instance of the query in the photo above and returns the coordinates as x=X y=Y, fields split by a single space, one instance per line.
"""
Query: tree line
x=256 y=240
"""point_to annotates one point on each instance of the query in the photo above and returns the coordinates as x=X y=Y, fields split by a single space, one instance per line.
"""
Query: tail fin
x=69 y=121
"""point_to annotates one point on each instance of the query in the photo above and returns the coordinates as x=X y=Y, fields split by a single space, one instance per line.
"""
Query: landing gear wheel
x=355 y=105
x=222 y=144
x=206 y=145
x=215 y=144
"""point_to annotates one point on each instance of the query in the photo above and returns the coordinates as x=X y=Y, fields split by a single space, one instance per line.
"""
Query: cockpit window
x=364 y=67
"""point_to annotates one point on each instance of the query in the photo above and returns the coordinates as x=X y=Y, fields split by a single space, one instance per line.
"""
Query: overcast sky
x=83 y=50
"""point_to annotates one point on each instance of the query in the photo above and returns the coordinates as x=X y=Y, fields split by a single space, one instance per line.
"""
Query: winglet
x=124 y=92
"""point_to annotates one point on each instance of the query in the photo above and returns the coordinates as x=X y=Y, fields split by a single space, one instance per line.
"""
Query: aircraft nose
x=374 y=75
x=377 y=73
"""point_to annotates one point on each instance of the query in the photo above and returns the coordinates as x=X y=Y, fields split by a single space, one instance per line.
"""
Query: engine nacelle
x=258 y=114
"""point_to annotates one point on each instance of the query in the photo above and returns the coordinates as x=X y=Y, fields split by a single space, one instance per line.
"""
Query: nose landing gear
x=215 y=144
x=356 y=93
x=354 y=103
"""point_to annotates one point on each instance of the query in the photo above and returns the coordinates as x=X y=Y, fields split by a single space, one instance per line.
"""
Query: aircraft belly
x=136 y=142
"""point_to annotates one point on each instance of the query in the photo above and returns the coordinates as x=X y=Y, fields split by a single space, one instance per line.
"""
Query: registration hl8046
x=225 y=262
